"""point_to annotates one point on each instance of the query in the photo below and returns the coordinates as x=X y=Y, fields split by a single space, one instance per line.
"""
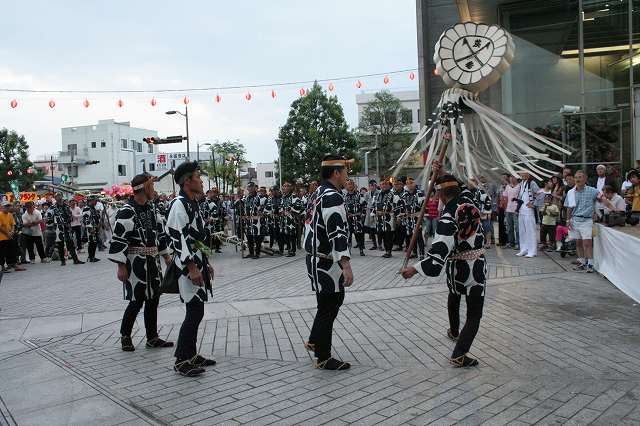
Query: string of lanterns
x=248 y=96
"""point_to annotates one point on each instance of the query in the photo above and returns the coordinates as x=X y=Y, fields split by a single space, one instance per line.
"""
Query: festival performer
x=215 y=217
x=59 y=216
x=292 y=207
x=413 y=199
x=356 y=206
x=527 y=229
x=137 y=243
x=386 y=202
x=272 y=210
x=187 y=232
x=400 y=213
x=458 y=247
x=328 y=267
x=370 y=222
x=253 y=213
x=91 y=222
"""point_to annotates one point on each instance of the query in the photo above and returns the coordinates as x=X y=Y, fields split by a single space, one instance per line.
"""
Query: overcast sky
x=90 y=44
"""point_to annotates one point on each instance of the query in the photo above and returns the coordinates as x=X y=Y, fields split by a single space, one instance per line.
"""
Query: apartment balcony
x=79 y=156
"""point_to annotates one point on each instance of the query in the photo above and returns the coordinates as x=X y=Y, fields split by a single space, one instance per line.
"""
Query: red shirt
x=432 y=208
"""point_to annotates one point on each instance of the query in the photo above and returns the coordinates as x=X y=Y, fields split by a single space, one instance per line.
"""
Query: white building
x=266 y=174
x=117 y=146
x=409 y=99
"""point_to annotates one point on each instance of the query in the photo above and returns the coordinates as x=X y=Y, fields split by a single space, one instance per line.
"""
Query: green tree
x=14 y=159
x=386 y=123
x=315 y=127
x=223 y=168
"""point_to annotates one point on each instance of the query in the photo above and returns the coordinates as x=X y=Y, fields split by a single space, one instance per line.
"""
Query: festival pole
x=430 y=189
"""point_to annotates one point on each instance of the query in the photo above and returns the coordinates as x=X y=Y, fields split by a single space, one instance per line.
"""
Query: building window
x=124 y=143
x=268 y=174
x=103 y=144
x=407 y=116
x=94 y=144
x=136 y=145
x=150 y=149
x=72 y=148
x=122 y=170
x=72 y=171
x=152 y=167
x=418 y=115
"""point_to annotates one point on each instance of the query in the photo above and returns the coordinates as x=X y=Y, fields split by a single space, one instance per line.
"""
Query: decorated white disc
x=473 y=56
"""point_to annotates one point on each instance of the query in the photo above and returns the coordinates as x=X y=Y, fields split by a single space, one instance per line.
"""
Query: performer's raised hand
x=123 y=274
x=408 y=272
x=347 y=273
x=195 y=275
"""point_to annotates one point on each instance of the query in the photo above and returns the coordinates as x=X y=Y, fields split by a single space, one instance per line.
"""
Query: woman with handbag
x=136 y=246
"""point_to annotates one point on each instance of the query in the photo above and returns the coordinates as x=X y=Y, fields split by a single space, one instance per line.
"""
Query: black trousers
x=322 y=329
x=186 y=347
x=548 y=231
x=150 y=316
x=254 y=242
x=93 y=245
x=503 y=238
x=359 y=237
x=292 y=242
x=49 y=242
x=373 y=235
x=70 y=249
x=399 y=235
x=387 y=238
x=77 y=232
x=8 y=253
x=475 y=302
x=419 y=248
x=30 y=240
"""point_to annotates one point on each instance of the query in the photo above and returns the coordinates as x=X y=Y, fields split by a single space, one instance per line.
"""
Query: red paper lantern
x=120 y=103
x=412 y=75
x=302 y=91
x=331 y=87
x=13 y=103
x=218 y=98
x=86 y=103
x=386 y=79
x=185 y=100
x=359 y=84
x=248 y=96
x=153 y=102
x=52 y=103
x=273 y=94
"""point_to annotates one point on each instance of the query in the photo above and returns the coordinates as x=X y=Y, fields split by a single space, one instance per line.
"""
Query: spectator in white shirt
x=512 y=192
x=615 y=199
x=76 y=224
x=32 y=232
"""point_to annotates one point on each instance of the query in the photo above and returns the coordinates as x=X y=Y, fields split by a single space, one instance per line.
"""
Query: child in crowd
x=550 y=213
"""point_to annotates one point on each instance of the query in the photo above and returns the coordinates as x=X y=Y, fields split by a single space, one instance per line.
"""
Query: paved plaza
x=555 y=347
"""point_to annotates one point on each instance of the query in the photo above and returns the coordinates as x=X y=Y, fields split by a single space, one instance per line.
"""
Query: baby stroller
x=567 y=246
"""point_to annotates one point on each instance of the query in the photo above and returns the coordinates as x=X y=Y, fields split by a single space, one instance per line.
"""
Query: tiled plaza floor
x=555 y=347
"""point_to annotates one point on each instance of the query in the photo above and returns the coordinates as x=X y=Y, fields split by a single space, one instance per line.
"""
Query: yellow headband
x=444 y=185
x=336 y=163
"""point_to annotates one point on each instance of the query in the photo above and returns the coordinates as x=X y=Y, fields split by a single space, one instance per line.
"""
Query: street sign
x=64 y=178
x=161 y=162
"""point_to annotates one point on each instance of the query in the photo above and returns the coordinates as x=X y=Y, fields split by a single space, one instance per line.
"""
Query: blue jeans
x=511 y=220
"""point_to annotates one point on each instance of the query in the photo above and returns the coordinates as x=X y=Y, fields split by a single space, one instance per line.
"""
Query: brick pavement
x=555 y=348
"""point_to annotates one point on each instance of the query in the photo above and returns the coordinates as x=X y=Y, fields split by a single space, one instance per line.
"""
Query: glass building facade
x=573 y=76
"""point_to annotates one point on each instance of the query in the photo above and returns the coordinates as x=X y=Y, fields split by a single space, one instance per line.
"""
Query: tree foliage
x=14 y=158
x=223 y=167
x=384 y=121
x=315 y=128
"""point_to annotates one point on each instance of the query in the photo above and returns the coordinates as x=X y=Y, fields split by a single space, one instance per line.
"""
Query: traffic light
x=151 y=140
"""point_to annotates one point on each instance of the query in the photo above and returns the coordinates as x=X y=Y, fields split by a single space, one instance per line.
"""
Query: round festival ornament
x=86 y=103
x=52 y=103
x=412 y=76
x=153 y=102
x=331 y=87
x=302 y=91
x=248 y=96
x=359 y=84
x=273 y=94
x=13 y=103
x=120 y=103
x=386 y=79
x=218 y=99
x=185 y=100
x=473 y=56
